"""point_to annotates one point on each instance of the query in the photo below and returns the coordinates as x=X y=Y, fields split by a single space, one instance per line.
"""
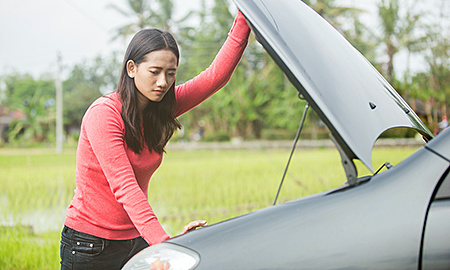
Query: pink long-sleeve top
x=111 y=198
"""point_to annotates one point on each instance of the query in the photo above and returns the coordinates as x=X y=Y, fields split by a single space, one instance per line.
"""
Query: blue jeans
x=84 y=251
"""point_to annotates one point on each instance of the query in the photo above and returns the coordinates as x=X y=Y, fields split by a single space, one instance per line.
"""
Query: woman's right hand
x=194 y=224
x=160 y=265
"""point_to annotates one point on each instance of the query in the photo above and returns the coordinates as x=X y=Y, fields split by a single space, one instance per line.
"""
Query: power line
x=87 y=15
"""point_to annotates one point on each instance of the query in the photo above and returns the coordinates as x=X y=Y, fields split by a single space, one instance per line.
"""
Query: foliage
x=146 y=13
x=397 y=31
x=360 y=36
x=139 y=11
x=87 y=82
x=259 y=101
x=255 y=95
x=199 y=45
x=332 y=12
x=36 y=100
x=433 y=87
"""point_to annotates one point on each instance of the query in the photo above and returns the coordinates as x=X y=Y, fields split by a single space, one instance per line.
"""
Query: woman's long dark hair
x=158 y=119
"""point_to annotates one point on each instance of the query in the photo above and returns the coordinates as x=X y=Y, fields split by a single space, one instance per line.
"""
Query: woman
x=122 y=140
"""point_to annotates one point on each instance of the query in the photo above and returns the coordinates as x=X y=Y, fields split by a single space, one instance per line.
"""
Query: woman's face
x=153 y=77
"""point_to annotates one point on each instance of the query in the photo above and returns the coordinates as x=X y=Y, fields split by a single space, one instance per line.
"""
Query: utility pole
x=59 y=107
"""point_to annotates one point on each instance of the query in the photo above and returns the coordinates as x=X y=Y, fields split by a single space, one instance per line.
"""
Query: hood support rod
x=349 y=165
x=302 y=122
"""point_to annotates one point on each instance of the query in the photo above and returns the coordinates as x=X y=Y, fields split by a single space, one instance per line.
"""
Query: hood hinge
x=349 y=165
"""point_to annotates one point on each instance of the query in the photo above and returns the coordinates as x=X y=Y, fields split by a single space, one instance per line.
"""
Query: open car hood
x=350 y=96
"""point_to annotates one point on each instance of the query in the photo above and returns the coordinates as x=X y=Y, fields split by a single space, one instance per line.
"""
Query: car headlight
x=164 y=256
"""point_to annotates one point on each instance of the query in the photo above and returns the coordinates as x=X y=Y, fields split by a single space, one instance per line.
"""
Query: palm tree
x=144 y=13
x=38 y=117
x=397 y=31
x=138 y=11
x=164 y=18
x=331 y=12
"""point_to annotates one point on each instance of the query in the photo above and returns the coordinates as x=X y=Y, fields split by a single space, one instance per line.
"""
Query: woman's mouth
x=159 y=92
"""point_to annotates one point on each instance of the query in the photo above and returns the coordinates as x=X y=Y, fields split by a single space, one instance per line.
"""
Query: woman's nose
x=162 y=80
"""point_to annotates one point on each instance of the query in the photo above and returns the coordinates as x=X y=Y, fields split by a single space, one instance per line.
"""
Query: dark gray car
x=396 y=219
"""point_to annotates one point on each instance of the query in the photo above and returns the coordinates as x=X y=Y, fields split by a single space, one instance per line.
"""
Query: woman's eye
x=153 y=72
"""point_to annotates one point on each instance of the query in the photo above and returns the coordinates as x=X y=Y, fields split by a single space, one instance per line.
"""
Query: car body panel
x=375 y=225
x=436 y=248
x=440 y=145
x=346 y=91
x=436 y=244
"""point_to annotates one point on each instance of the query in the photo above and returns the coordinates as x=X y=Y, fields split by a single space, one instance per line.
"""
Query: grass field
x=37 y=186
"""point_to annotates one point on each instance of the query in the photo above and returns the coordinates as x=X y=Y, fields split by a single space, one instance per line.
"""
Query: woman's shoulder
x=111 y=100
x=103 y=106
x=103 y=114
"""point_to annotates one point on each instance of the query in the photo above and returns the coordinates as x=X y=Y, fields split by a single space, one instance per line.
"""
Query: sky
x=33 y=33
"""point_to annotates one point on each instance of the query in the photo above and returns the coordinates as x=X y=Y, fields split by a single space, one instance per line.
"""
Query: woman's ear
x=131 y=68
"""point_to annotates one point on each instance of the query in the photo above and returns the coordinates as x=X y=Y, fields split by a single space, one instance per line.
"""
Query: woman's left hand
x=194 y=224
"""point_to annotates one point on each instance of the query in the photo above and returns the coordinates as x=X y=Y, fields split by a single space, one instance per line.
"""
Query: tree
x=438 y=80
x=430 y=87
x=331 y=12
x=361 y=37
x=36 y=99
x=19 y=89
x=38 y=121
x=163 y=17
x=87 y=82
x=147 y=13
x=139 y=12
x=199 y=45
x=397 y=31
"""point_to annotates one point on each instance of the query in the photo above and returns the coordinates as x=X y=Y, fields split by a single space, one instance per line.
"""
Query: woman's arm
x=104 y=130
x=217 y=75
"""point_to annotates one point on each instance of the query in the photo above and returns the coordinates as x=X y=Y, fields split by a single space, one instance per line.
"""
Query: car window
x=444 y=190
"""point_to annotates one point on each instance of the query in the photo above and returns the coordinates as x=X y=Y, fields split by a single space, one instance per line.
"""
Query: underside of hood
x=350 y=96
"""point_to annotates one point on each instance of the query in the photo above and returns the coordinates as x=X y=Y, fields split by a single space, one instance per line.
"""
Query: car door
x=436 y=239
